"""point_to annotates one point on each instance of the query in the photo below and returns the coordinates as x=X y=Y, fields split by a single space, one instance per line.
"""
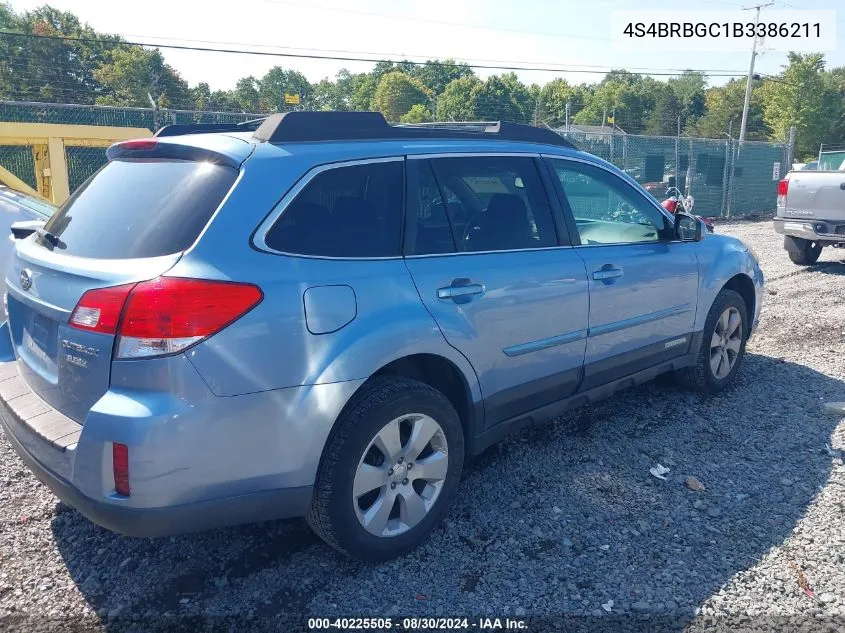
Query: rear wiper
x=48 y=237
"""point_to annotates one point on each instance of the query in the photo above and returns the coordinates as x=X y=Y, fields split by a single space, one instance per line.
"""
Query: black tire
x=332 y=515
x=700 y=376
x=808 y=253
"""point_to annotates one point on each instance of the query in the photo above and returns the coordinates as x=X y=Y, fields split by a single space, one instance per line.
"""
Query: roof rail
x=305 y=126
x=178 y=129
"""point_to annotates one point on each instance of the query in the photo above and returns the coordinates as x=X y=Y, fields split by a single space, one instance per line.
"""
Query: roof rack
x=307 y=126
x=178 y=129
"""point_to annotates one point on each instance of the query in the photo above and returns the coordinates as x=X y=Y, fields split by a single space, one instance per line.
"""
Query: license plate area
x=39 y=344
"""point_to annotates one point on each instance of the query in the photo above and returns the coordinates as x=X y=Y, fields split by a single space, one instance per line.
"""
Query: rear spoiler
x=153 y=148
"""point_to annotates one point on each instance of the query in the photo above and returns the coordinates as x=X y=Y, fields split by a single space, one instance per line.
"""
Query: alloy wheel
x=400 y=476
x=726 y=343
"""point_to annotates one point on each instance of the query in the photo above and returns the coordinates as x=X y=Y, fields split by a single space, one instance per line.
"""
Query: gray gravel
x=558 y=522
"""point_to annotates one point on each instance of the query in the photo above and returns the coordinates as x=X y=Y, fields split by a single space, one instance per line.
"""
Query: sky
x=574 y=34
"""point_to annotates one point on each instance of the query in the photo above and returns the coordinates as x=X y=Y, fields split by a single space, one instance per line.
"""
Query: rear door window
x=345 y=211
x=495 y=203
x=139 y=208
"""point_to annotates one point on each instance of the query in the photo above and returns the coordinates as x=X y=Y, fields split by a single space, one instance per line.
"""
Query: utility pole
x=568 y=110
x=750 y=72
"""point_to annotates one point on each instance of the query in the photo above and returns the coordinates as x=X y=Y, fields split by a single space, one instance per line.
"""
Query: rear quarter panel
x=271 y=347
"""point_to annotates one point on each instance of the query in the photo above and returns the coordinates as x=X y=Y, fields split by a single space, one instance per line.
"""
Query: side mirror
x=688 y=228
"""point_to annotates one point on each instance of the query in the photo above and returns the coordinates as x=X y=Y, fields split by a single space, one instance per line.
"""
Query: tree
x=436 y=75
x=246 y=94
x=502 y=97
x=397 y=93
x=455 y=102
x=135 y=74
x=417 y=114
x=278 y=82
x=798 y=96
x=51 y=69
x=689 y=90
x=663 y=120
x=553 y=99
x=723 y=104
x=835 y=104
x=628 y=96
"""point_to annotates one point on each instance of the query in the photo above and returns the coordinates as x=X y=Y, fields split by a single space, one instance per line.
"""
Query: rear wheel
x=722 y=345
x=807 y=252
x=390 y=470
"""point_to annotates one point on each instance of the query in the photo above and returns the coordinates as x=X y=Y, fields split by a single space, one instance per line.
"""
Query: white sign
x=776 y=171
x=722 y=30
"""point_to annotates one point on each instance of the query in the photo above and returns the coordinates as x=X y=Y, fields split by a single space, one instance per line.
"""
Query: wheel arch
x=438 y=372
x=744 y=286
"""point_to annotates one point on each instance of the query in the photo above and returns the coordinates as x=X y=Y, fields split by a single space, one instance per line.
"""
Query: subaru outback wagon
x=324 y=315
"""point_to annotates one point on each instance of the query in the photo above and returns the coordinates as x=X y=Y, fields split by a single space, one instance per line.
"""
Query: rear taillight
x=99 y=310
x=120 y=468
x=163 y=315
x=783 y=188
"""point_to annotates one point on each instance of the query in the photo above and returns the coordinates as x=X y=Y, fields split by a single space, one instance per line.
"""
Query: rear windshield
x=139 y=208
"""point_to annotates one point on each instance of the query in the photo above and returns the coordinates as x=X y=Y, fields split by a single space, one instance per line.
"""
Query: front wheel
x=389 y=471
x=722 y=345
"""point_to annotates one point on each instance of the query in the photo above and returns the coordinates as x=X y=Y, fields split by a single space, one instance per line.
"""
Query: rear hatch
x=130 y=222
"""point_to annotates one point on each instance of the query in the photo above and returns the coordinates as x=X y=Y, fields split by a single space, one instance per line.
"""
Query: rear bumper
x=196 y=461
x=830 y=231
x=166 y=521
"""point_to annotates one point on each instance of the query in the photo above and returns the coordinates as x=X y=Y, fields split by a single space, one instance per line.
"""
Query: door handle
x=607 y=273
x=459 y=291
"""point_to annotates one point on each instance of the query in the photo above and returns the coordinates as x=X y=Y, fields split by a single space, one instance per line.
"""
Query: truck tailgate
x=815 y=194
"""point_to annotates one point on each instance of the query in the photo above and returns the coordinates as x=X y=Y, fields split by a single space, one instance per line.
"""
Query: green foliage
x=109 y=71
x=436 y=76
x=454 y=103
x=135 y=74
x=800 y=97
x=663 y=120
x=723 y=112
x=417 y=114
x=276 y=84
x=397 y=93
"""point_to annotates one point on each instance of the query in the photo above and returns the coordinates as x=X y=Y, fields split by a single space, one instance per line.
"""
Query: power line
x=463 y=61
x=345 y=58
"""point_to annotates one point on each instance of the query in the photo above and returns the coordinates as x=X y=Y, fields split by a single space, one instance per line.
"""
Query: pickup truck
x=811 y=213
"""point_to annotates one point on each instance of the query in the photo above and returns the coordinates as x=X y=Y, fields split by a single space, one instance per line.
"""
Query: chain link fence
x=726 y=179
x=19 y=160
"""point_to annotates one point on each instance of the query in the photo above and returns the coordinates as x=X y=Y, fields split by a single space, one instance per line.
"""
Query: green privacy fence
x=725 y=179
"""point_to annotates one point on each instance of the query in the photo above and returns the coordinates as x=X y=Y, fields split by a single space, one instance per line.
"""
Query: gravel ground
x=564 y=523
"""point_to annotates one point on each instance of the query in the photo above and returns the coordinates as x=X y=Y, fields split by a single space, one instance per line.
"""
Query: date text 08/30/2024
x=417 y=624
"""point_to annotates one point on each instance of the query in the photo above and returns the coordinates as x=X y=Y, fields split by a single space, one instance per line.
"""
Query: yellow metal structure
x=48 y=142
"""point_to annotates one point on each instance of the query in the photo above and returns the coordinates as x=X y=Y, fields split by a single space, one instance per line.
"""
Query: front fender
x=720 y=259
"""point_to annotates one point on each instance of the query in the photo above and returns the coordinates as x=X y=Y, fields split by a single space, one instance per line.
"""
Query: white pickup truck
x=811 y=213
